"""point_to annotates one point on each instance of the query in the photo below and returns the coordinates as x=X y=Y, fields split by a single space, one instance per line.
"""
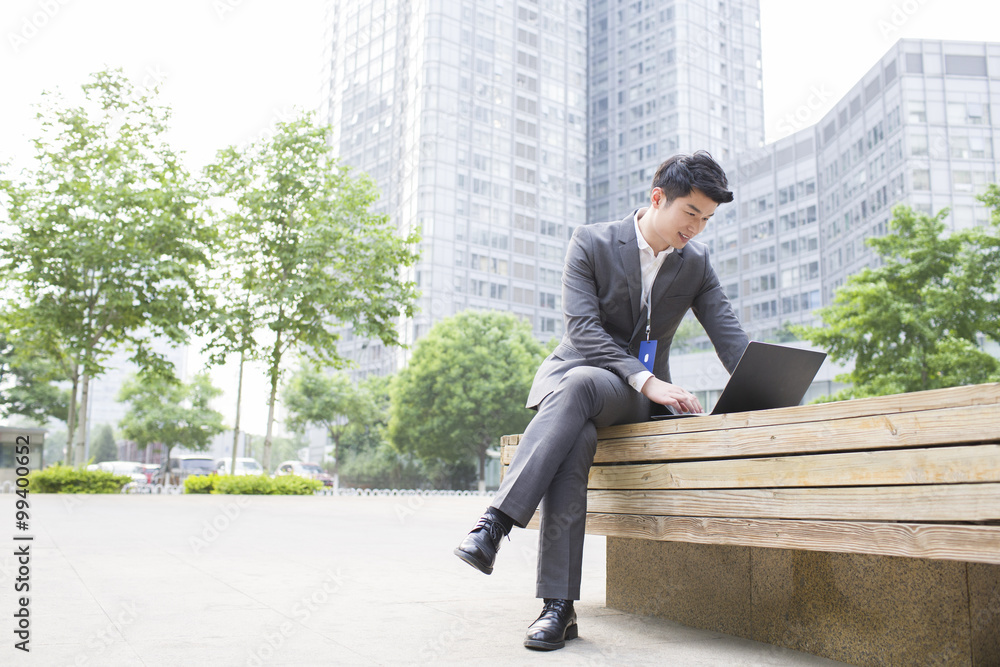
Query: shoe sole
x=571 y=633
x=468 y=558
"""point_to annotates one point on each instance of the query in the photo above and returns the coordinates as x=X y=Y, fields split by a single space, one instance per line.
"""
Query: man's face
x=678 y=222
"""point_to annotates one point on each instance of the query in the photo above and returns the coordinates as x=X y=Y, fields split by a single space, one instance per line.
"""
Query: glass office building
x=471 y=118
x=918 y=129
x=666 y=78
x=496 y=128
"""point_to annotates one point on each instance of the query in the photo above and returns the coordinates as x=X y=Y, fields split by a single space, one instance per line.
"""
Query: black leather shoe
x=556 y=624
x=479 y=548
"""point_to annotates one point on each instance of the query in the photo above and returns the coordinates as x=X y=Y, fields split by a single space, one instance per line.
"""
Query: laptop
x=767 y=376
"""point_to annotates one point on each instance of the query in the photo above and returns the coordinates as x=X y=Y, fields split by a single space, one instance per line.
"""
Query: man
x=626 y=287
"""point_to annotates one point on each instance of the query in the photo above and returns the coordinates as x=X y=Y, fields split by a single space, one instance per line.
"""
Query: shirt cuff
x=637 y=380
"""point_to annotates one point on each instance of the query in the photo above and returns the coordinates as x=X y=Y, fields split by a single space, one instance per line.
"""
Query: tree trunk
x=236 y=427
x=81 y=430
x=336 y=463
x=275 y=362
x=71 y=417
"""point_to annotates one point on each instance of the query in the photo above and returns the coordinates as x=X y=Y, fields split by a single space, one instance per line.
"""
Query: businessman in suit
x=626 y=286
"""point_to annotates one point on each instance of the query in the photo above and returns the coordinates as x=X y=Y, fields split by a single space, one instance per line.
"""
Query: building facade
x=918 y=129
x=471 y=119
x=666 y=78
x=496 y=128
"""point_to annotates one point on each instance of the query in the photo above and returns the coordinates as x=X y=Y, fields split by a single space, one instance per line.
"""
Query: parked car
x=185 y=465
x=151 y=470
x=131 y=469
x=303 y=469
x=244 y=466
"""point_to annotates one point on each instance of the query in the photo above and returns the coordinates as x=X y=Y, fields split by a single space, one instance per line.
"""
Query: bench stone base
x=855 y=608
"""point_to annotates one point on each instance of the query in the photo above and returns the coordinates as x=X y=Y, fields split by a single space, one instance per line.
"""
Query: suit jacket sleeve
x=715 y=312
x=581 y=307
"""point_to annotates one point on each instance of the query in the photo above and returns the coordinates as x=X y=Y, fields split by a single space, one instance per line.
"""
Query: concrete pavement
x=271 y=580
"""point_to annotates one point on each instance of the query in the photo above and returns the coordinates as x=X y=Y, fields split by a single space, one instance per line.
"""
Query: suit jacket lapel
x=628 y=249
x=661 y=284
x=665 y=276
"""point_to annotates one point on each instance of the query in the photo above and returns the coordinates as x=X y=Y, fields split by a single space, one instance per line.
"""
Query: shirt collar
x=641 y=241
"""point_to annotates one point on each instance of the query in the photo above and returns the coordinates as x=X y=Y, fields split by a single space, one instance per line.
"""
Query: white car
x=303 y=469
x=244 y=466
x=132 y=469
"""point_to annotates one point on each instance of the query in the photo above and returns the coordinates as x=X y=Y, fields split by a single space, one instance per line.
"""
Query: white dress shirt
x=649 y=263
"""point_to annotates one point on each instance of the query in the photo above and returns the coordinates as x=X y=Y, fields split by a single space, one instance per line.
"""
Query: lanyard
x=649 y=312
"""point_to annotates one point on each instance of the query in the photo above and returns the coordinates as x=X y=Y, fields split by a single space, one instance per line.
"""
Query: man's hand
x=665 y=393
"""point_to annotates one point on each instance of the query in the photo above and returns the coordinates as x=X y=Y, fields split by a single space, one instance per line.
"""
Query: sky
x=230 y=68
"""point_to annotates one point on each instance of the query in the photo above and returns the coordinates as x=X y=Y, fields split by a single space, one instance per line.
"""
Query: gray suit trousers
x=552 y=464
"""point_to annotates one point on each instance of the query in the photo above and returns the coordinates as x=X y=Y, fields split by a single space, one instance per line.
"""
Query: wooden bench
x=867 y=531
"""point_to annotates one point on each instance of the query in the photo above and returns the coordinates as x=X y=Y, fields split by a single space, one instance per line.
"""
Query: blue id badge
x=647 y=354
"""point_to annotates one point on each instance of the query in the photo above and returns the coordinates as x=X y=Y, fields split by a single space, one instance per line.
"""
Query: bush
x=290 y=485
x=244 y=484
x=199 y=484
x=68 y=479
x=293 y=485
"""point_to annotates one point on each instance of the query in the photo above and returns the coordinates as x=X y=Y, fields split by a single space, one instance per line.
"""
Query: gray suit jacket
x=605 y=320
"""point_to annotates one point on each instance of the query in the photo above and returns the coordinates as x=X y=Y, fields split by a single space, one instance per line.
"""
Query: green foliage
x=293 y=485
x=282 y=449
x=329 y=400
x=199 y=483
x=27 y=386
x=465 y=386
x=286 y=485
x=68 y=479
x=687 y=333
x=108 y=242
x=167 y=411
x=785 y=334
x=104 y=448
x=304 y=255
x=912 y=323
x=55 y=446
x=105 y=245
x=381 y=466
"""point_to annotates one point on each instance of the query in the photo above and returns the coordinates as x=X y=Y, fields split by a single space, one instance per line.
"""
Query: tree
x=106 y=245
x=330 y=401
x=465 y=386
x=104 y=448
x=27 y=388
x=166 y=411
x=321 y=260
x=914 y=322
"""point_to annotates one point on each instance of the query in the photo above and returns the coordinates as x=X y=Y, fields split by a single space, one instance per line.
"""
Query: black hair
x=680 y=174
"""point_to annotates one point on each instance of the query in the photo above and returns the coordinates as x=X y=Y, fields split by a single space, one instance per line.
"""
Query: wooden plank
x=939 y=541
x=939 y=502
x=972 y=395
x=925 y=428
x=981 y=394
x=938 y=465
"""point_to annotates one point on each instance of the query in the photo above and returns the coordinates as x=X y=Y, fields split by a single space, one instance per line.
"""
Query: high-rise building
x=918 y=129
x=482 y=123
x=666 y=78
x=471 y=118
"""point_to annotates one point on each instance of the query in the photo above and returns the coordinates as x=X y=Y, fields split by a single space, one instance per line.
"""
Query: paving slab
x=270 y=580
